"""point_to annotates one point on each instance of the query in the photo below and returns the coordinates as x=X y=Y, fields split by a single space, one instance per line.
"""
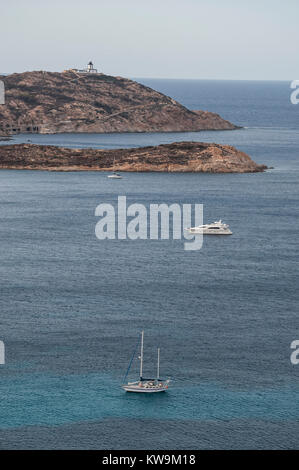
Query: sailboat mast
x=141 y=355
x=158 y=365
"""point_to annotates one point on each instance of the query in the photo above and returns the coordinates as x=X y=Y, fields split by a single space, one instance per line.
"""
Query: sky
x=197 y=39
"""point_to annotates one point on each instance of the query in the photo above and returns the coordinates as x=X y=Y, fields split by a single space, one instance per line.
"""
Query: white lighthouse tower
x=90 y=68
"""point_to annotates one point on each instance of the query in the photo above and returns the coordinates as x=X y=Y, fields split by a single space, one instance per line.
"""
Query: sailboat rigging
x=144 y=385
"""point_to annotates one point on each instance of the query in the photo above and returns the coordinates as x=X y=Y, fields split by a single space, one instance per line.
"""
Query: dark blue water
x=224 y=317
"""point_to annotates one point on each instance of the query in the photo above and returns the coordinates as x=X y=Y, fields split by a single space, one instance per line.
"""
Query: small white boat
x=115 y=176
x=216 y=228
x=145 y=385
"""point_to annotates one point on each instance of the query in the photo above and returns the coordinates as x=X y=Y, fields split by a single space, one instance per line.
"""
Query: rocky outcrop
x=46 y=102
x=176 y=157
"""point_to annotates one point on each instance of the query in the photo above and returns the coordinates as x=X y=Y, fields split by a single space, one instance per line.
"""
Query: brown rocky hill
x=176 y=157
x=47 y=102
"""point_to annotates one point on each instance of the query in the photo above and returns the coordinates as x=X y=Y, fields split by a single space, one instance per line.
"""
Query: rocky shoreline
x=196 y=157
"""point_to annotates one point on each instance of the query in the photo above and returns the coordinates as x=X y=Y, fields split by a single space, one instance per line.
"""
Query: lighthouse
x=90 y=68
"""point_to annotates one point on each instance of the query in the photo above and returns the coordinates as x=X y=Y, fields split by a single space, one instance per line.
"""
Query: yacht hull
x=210 y=232
x=128 y=388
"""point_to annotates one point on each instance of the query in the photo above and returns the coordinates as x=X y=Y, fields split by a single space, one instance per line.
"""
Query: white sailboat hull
x=137 y=389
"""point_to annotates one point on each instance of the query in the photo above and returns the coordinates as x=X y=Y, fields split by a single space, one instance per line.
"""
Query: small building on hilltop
x=88 y=69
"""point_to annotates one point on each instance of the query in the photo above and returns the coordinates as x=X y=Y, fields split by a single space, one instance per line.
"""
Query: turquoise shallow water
x=224 y=317
x=61 y=400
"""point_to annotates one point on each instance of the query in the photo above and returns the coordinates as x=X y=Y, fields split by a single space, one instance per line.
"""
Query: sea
x=224 y=316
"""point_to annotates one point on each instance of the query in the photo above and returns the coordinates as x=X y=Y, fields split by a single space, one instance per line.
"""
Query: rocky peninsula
x=194 y=157
x=50 y=102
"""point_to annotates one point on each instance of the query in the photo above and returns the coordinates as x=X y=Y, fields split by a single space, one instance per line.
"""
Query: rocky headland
x=176 y=157
x=48 y=102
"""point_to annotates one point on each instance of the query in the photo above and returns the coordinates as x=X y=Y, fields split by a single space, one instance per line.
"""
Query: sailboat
x=145 y=385
x=115 y=175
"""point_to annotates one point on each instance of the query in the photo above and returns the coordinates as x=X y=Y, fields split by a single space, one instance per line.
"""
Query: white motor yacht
x=145 y=385
x=115 y=176
x=216 y=228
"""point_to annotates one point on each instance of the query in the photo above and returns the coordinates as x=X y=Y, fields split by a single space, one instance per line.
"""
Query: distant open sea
x=72 y=306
